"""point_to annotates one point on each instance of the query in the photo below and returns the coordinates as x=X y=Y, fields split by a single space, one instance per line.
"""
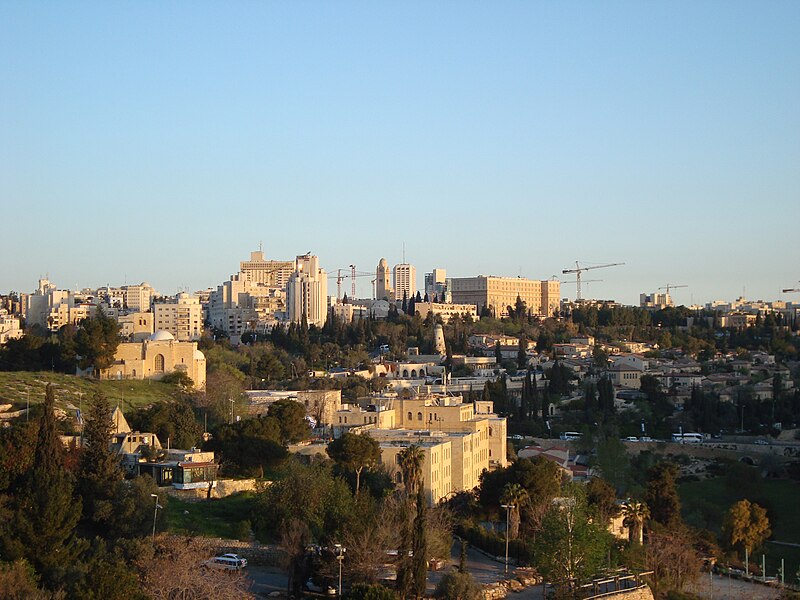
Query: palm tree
x=514 y=495
x=411 y=460
x=635 y=514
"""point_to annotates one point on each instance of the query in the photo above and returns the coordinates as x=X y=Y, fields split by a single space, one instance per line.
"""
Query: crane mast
x=579 y=269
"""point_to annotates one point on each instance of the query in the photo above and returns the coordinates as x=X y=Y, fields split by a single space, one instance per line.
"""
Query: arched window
x=410 y=416
x=419 y=416
x=405 y=372
x=422 y=372
x=159 y=363
x=133 y=373
x=413 y=373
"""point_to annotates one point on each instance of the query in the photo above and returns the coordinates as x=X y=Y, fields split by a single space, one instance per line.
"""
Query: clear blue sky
x=162 y=141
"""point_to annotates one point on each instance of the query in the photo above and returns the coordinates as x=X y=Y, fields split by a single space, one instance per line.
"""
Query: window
x=159 y=368
x=419 y=416
x=410 y=416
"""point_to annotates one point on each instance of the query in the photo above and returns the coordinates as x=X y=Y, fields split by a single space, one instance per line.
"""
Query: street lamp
x=508 y=508
x=155 y=514
x=340 y=550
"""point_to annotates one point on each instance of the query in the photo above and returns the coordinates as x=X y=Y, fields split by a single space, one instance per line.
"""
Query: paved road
x=731 y=589
x=266 y=580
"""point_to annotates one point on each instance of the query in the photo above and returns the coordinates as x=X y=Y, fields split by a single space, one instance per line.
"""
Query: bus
x=687 y=438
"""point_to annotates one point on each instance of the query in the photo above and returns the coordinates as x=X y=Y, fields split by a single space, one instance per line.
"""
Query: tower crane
x=352 y=275
x=790 y=290
x=579 y=269
x=669 y=287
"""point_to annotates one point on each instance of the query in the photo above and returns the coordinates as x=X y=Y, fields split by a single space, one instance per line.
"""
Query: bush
x=362 y=591
x=458 y=586
x=242 y=531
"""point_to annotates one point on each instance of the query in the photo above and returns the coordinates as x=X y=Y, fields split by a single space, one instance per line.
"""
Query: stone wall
x=224 y=487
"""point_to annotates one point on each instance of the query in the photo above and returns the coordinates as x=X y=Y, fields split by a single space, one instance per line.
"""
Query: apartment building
x=182 y=316
x=404 y=277
x=307 y=292
x=498 y=293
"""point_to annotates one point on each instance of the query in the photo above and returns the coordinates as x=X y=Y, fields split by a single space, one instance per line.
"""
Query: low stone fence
x=255 y=553
x=223 y=488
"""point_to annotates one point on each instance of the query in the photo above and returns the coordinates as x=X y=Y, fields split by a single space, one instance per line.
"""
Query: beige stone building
x=182 y=316
x=156 y=356
x=307 y=292
x=446 y=311
x=136 y=327
x=460 y=440
x=437 y=465
x=9 y=327
x=498 y=293
x=269 y=273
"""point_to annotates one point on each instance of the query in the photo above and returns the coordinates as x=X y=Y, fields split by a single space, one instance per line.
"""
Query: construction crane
x=791 y=290
x=352 y=275
x=579 y=269
x=669 y=287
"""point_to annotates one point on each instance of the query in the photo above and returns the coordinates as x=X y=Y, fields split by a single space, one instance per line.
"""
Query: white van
x=228 y=562
x=570 y=436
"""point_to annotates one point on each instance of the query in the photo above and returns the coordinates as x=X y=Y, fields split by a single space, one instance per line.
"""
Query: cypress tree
x=47 y=511
x=420 y=544
x=99 y=469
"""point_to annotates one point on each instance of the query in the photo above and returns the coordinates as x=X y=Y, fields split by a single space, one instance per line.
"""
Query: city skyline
x=163 y=143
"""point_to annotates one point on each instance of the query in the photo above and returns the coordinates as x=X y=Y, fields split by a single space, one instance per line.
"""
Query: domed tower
x=438 y=340
x=383 y=289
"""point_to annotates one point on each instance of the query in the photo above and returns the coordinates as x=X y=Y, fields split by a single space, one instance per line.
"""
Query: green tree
x=602 y=499
x=411 y=460
x=291 y=417
x=522 y=353
x=514 y=496
x=661 y=495
x=420 y=546
x=98 y=469
x=635 y=513
x=355 y=452
x=47 y=511
x=746 y=526
x=96 y=341
x=570 y=546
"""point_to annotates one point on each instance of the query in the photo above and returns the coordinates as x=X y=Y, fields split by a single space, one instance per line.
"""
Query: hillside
x=17 y=387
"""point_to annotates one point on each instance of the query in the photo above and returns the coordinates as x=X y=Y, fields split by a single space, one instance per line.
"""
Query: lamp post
x=508 y=508
x=155 y=514
x=340 y=550
x=231 y=400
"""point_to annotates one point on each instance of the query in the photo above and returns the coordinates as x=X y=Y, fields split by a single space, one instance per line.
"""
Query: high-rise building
x=383 y=288
x=498 y=293
x=307 y=292
x=436 y=285
x=272 y=273
x=405 y=281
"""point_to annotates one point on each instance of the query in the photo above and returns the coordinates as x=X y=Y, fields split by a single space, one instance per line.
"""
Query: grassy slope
x=15 y=387
x=214 y=518
x=781 y=498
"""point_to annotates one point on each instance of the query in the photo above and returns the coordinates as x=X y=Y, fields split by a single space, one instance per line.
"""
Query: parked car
x=761 y=442
x=645 y=438
x=227 y=562
x=328 y=589
x=631 y=438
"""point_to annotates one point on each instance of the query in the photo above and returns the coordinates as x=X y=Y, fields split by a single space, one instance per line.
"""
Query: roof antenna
x=404 y=253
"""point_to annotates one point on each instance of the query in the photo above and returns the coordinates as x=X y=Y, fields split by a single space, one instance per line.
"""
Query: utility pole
x=508 y=508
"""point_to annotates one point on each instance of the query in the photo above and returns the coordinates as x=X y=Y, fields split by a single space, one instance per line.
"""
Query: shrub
x=458 y=586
